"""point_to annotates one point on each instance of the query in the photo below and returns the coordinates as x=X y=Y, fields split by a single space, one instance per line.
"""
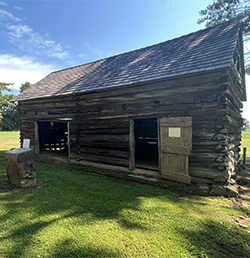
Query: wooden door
x=175 y=145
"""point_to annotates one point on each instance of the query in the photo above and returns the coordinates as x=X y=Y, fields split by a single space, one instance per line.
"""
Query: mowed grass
x=73 y=213
x=9 y=140
x=246 y=143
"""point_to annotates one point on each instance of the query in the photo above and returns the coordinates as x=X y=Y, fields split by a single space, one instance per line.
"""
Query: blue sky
x=38 y=37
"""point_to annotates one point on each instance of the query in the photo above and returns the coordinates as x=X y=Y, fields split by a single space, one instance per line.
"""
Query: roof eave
x=127 y=85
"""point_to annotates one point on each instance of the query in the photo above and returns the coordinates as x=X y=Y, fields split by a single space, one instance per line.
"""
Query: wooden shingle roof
x=204 y=50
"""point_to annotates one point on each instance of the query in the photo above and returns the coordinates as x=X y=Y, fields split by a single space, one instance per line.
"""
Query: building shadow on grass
x=70 y=194
x=69 y=248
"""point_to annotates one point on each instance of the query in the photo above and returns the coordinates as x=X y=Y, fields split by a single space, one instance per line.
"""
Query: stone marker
x=20 y=167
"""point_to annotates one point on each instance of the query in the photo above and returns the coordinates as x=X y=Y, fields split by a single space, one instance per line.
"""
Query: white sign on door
x=174 y=132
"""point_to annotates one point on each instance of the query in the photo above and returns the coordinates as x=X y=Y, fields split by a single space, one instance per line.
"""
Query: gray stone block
x=20 y=167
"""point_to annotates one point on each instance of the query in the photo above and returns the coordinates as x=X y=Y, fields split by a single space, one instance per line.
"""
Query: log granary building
x=171 y=111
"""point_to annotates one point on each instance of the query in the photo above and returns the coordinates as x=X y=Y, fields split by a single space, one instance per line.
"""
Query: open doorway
x=146 y=143
x=53 y=137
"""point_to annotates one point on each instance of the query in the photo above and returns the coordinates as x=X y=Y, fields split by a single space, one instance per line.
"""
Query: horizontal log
x=220 y=137
x=225 y=119
x=100 y=159
x=109 y=145
x=212 y=159
x=200 y=180
x=234 y=114
x=104 y=138
x=118 y=113
x=234 y=137
x=188 y=82
x=113 y=169
x=210 y=165
x=120 y=131
x=209 y=173
x=236 y=80
x=104 y=152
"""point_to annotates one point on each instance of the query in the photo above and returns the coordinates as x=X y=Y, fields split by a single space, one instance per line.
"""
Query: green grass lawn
x=246 y=143
x=9 y=140
x=73 y=213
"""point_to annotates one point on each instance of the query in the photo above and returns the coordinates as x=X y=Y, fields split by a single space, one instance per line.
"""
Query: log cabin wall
x=99 y=130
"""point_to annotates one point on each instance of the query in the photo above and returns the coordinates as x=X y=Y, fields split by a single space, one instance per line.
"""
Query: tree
x=3 y=98
x=9 y=111
x=246 y=125
x=10 y=120
x=223 y=10
x=25 y=86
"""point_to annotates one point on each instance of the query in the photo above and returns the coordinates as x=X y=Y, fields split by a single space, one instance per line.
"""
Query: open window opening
x=53 y=137
x=146 y=143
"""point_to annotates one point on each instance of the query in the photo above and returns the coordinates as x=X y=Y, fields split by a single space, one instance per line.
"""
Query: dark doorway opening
x=53 y=137
x=146 y=144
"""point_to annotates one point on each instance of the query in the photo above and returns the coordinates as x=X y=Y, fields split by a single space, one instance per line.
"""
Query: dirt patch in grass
x=242 y=220
x=219 y=248
x=243 y=179
x=6 y=187
x=242 y=182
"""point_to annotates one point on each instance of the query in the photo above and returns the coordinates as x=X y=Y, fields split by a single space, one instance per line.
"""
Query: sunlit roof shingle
x=203 y=50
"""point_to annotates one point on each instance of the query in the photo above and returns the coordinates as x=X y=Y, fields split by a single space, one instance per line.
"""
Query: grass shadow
x=69 y=248
x=71 y=201
x=218 y=240
x=70 y=194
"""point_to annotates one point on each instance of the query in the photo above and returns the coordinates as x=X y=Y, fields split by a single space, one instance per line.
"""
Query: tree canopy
x=25 y=86
x=9 y=115
x=3 y=98
x=223 y=10
x=246 y=125
x=9 y=111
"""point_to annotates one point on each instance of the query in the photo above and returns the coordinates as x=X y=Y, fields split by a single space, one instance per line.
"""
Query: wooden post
x=159 y=145
x=37 y=148
x=244 y=155
x=131 y=144
x=68 y=140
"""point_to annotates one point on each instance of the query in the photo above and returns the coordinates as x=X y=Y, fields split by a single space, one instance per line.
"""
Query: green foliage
x=9 y=111
x=4 y=86
x=73 y=213
x=246 y=143
x=25 y=86
x=246 y=125
x=3 y=98
x=223 y=10
x=10 y=120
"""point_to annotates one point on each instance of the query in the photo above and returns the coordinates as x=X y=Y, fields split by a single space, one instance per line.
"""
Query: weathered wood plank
x=131 y=145
x=101 y=159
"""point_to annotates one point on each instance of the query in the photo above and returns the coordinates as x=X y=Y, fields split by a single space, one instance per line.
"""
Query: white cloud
x=18 y=31
x=18 y=70
x=83 y=55
x=94 y=50
x=6 y=16
x=3 y=3
x=19 y=8
x=27 y=40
